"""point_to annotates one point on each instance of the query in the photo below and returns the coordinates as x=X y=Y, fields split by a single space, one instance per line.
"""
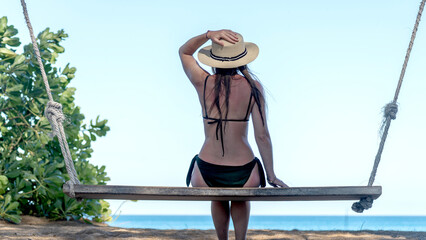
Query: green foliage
x=32 y=169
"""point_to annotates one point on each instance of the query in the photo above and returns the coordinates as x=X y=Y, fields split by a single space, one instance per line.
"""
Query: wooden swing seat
x=230 y=194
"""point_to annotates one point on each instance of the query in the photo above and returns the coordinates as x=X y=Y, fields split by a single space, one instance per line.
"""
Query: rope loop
x=390 y=110
x=363 y=204
x=70 y=188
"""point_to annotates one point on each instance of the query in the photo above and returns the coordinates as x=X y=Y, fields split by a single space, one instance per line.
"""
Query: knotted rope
x=389 y=114
x=54 y=114
x=53 y=111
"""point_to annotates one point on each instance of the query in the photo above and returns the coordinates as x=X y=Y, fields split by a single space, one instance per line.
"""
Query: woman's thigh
x=254 y=179
x=197 y=179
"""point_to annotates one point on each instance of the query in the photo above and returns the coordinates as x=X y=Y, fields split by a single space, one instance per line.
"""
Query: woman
x=228 y=99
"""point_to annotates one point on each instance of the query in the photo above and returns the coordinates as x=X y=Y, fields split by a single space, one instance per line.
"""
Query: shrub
x=32 y=169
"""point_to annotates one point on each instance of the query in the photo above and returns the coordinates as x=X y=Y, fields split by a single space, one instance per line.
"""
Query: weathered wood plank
x=235 y=194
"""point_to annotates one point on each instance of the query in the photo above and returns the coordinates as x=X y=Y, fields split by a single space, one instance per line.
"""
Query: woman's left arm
x=195 y=73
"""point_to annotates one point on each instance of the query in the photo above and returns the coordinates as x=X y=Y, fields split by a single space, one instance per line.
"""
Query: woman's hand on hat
x=227 y=35
x=276 y=182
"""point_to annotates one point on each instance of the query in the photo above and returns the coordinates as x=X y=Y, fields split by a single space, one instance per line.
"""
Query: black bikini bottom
x=225 y=176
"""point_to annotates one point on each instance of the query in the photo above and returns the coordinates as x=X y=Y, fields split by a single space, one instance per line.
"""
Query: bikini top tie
x=219 y=121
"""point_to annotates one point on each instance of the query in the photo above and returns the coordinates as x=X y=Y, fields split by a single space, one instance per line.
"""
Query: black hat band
x=228 y=59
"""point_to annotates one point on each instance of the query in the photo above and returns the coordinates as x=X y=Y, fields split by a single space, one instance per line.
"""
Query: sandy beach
x=38 y=228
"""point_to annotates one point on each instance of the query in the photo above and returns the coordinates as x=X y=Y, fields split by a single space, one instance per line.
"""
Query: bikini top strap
x=204 y=97
x=248 y=108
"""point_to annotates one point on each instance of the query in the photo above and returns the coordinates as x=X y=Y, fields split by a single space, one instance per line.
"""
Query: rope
x=53 y=111
x=390 y=111
x=54 y=114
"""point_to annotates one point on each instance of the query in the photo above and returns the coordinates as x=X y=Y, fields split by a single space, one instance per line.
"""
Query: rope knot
x=390 y=110
x=363 y=204
x=54 y=114
x=54 y=111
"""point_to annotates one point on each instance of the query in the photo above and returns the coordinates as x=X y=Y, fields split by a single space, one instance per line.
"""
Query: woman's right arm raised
x=194 y=72
x=264 y=143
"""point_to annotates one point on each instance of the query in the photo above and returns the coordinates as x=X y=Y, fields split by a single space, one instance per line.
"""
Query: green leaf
x=21 y=67
x=58 y=203
x=45 y=35
x=14 y=173
x=44 y=124
x=12 y=206
x=44 y=139
x=3 y=130
x=54 y=55
x=87 y=221
x=12 y=218
x=56 y=180
x=30 y=176
x=3 y=181
x=15 y=88
x=34 y=108
x=7 y=52
x=67 y=95
x=10 y=31
x=36 y=92
x=93 y=137
x=7 y=200
x=66 y=69
x=3 y=24
x=13 y=42
x=15 y=99
x=69 y=72
x=18 y=60
x=20 y=183
x=56 y=47
x=3 y=184
x=42 y=100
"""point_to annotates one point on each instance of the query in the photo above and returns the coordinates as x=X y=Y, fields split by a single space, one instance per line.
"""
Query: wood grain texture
x=233 y=194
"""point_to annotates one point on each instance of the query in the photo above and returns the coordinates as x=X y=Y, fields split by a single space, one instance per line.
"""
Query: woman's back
x=228 y=100
x=232 y=131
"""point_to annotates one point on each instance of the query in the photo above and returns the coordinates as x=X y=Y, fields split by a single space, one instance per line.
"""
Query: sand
x=38 y=228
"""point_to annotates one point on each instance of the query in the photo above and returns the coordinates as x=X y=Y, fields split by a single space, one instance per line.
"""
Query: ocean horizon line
x=279 y=222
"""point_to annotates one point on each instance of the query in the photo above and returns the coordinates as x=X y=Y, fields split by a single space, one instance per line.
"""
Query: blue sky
x=328 y=66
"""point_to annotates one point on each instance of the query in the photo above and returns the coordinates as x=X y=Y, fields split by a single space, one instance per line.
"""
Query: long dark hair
x=223 y=80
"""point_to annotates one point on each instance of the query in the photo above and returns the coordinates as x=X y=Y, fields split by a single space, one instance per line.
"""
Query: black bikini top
x=219 y=121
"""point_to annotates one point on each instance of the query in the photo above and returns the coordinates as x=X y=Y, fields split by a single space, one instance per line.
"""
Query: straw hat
x=230 y=55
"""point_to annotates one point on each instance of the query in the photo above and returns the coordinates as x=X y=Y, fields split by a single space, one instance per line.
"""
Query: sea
x=315 y=223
